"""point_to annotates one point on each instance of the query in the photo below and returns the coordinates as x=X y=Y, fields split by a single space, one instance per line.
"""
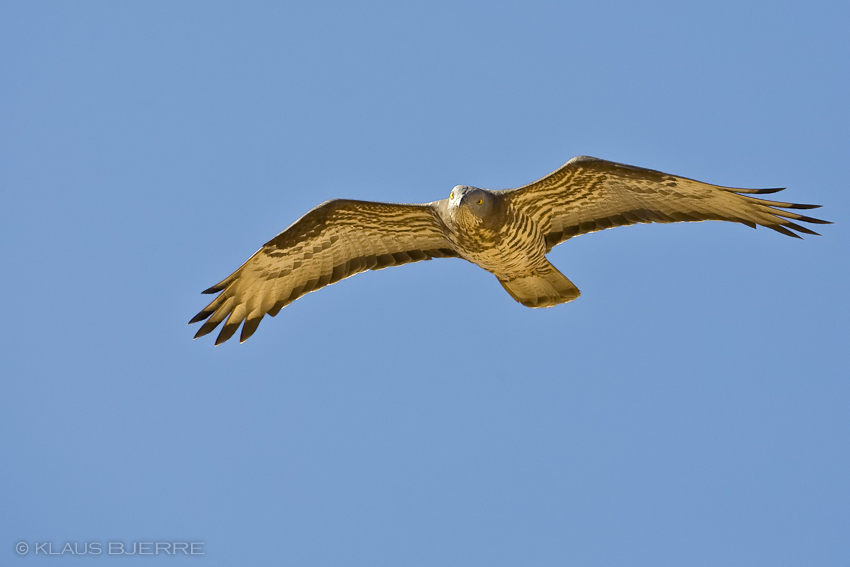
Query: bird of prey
x=506 y=232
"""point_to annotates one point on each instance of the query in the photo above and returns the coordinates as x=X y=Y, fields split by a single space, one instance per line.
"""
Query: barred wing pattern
x=589 y=194
x=335 y=240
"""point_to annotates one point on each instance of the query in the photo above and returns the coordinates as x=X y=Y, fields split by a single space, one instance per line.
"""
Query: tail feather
x=545 y=286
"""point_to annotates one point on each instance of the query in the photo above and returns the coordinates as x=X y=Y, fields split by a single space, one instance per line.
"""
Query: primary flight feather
x=506 y=232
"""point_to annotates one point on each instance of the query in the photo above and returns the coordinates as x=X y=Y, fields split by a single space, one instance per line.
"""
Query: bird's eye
x=480 y=201
x=452 y=195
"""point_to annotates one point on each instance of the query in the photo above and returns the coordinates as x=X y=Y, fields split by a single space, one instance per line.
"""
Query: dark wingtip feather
x=214 y=289
x=798 y=228
x=204 y=330
x=783 y=230
x=812 y=220
x=227 y=332
x=207 y=327
x=248 y=328
x=277 y=307
x=201 y=316
x=754 y=191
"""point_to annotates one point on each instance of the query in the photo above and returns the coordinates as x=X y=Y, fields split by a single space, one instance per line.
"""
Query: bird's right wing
x=589 y=194
x=335 y=240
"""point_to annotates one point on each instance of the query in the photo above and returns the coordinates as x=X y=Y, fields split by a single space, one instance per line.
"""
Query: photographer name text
x=111 y=548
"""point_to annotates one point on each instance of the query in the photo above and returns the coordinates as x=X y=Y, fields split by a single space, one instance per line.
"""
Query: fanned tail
x=544 y=287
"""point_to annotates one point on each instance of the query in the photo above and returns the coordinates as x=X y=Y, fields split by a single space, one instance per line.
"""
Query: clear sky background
x=691 y=408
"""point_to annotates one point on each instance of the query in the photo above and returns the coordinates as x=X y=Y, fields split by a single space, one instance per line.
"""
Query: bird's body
x=499 y=237
x=506 y=232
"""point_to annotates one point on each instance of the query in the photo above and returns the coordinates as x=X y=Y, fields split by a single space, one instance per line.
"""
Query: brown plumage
x=506 y=232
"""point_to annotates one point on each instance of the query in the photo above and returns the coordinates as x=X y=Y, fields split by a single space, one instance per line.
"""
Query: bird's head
x=471 y=204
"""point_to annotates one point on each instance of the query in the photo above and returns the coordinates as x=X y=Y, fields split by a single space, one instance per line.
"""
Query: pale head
x=471 y=203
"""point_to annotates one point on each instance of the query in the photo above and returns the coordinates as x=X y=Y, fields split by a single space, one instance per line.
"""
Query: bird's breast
x=511 y=246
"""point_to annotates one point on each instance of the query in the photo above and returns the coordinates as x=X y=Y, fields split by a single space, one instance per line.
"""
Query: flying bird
x=506 y=232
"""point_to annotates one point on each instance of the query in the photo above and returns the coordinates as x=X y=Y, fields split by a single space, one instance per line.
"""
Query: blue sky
x=691 y=408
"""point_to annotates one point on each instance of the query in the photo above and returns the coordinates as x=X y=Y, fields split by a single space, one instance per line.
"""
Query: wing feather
x=589 y=194
x=335 y=240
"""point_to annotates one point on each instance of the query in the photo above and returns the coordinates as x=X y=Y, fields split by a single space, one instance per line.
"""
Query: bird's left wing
x=335 y=240
x=589 y=194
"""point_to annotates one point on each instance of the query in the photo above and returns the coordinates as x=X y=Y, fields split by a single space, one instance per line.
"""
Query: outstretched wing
x=589 y=194
x=335 y=240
